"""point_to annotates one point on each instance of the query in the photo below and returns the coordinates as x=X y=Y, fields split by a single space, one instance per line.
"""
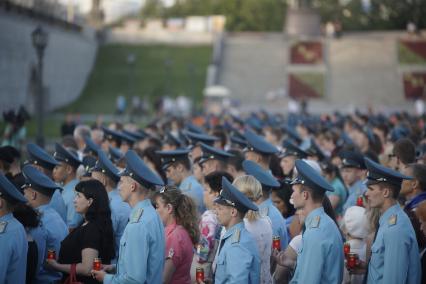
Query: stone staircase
x=361 y=69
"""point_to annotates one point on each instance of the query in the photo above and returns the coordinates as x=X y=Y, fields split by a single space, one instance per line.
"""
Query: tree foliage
x=269 y=15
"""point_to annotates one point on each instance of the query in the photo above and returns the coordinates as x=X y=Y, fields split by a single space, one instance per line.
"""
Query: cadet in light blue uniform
x=13 y=239
x=107 y=174
x=394 y=252
x=267 y=208
x=321 y=257
x=238 y=258
x=177 y=167
x=65 y=173
x=38 y=189
x=352 y=169
x=45 y=163
x=195 y=139
x=141 y=255
x=213 y=159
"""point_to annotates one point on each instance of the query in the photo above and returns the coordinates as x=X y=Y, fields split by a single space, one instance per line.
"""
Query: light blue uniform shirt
x=57 y=203
x=321 y=257
x=56 y=231
x=191 y=187
x=39 y=235
x=356 y=190
x=141 y=256
x=238 y=260
x=395 y=252
x=279 y=227
x=120 y=214
x=68 y=194
x=13 y=250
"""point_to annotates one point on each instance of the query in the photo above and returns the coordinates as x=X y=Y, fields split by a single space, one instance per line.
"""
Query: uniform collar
x=6 y=217
x=71 y=184
x=390 y=211
x=312 y=214
x=232 y=230
x=186 y=180
x=113 y=192
x=42 y=208
x=142 y=204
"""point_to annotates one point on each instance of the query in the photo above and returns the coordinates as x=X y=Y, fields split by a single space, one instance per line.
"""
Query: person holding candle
x=93 y=239
x=321 y=257
x=237 y=259
x=179 y=215
x=355 y=226
x=260 y=227
x=141 y=254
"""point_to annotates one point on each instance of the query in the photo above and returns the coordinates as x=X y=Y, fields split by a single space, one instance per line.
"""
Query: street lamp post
x=39 y=38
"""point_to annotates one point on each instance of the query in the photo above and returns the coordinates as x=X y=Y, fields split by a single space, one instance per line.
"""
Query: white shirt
x=261 y=231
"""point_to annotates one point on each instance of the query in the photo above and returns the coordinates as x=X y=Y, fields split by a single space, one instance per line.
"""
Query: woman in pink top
x=179 y=215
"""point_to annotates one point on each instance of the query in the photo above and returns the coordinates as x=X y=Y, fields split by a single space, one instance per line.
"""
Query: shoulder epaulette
x=315 y=222
x=236 y=236
x=136 y=216
x=392 y=220
x=3 y=226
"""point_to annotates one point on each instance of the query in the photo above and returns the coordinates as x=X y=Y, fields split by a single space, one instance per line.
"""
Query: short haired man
x=65 y=174
x=258 y=149
x=403 y=153
x=141 y=254
x=45 y=163
x=105 y=172
x=213 y=159
x=39 y=189
x=177 y=166
x=238 y=258
x=395 y=253
x=321 y=259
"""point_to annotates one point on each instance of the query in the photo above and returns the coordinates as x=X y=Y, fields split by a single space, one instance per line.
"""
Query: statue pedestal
x=302 y=22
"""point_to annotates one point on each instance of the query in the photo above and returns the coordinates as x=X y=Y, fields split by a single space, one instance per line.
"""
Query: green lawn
x=158 y=70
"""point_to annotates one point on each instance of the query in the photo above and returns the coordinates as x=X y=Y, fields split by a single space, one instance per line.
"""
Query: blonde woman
x=259 y=227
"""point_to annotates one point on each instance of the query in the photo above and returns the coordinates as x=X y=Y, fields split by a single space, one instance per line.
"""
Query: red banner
x=300 y=87
x=414 y=84
x=306 y=52
x=418 y=47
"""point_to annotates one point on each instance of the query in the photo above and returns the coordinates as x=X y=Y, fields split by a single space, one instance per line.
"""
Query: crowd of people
x=259 y=198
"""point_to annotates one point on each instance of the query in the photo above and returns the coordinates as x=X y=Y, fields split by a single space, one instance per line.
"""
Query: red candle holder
x=51 y=254
x=360 y=201
x=352 y=261
x=97 y=264
x=346 y=249
x=199 y=274
x=276 y=243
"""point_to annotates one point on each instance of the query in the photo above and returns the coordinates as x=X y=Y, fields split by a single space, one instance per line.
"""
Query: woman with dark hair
x=340 y=193
x=179 y=215
x=93 y=239
x=281 y=199
x=36 y=237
